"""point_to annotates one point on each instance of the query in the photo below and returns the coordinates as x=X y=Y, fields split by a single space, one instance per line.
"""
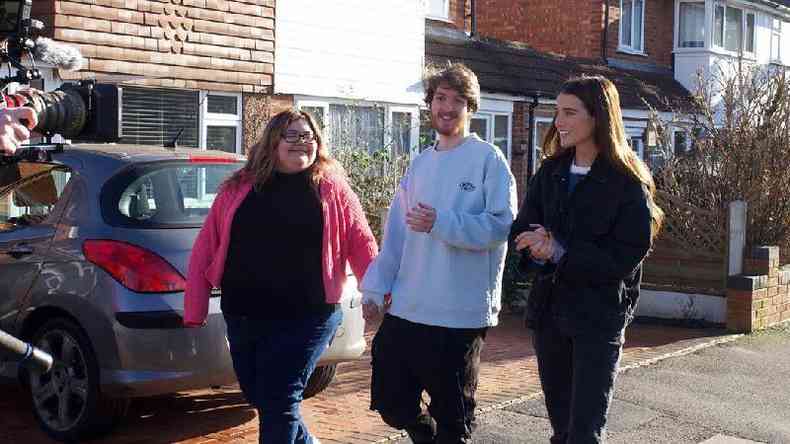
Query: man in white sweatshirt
x=441 y=261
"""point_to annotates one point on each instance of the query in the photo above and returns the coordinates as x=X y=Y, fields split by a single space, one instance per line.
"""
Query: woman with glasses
x=587 y=222
x=276 y=241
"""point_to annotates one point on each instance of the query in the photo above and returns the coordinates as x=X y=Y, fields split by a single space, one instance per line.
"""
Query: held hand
x=12 y=130
x=421 y=218
x=371 y=312
x=539 y=242
x=531 y=239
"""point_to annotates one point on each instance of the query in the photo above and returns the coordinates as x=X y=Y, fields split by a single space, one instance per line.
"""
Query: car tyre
x=67 y=401
x=319 y=380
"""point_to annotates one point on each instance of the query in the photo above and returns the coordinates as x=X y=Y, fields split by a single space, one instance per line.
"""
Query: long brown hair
x=262 y=157
x=602 y=102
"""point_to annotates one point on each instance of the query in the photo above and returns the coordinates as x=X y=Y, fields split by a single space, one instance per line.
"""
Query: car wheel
x=319 y=380
x=67 y=402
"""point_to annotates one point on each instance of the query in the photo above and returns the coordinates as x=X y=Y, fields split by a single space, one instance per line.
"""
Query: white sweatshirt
x=452 y=276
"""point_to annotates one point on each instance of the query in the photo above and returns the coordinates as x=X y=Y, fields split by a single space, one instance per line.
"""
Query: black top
x=605 y=226
x=273 y=267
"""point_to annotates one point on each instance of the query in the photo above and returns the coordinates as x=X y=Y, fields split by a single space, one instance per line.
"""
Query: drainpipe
x=473 y=18
x=530 y=151
x=605 y=33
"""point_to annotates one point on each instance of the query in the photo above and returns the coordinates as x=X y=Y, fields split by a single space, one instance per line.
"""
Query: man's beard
x=454 y=130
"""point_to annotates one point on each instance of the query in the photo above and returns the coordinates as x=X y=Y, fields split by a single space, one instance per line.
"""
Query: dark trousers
x=577 y=371
x=445 y=362
x=273 y=360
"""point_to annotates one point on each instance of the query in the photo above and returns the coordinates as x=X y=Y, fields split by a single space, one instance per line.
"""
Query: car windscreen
x=163 y=194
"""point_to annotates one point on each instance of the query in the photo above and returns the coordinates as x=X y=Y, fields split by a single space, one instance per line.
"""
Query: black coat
x=605 y=227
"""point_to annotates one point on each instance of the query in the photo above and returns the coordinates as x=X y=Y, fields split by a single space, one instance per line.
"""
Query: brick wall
x=759 y=298
x=571 y=27
x=520 y=146
x=258 y=109
x=214 y=45
x=659 y=28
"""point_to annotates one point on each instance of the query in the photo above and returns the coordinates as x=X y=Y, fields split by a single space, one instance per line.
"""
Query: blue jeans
x=273 y=360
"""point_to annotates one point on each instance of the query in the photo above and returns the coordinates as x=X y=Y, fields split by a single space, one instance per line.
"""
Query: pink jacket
x=347 y=238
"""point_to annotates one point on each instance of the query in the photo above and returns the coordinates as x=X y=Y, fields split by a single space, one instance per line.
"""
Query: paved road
x=725 y=393
x=340 y=414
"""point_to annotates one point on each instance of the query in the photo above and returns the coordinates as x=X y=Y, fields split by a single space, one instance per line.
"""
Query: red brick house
x=524 y=50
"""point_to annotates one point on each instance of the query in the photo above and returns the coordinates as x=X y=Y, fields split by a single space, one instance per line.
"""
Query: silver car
x=94 y=245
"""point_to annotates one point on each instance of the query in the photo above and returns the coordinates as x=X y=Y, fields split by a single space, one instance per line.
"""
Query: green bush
x=375 y=178
x=515 y=284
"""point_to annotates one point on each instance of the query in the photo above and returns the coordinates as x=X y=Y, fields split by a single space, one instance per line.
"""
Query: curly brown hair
x=458 y=77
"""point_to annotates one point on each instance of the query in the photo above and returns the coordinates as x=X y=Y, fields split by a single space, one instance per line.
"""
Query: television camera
x=85 y=111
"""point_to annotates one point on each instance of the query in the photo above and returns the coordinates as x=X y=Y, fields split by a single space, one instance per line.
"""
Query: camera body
x=85 y=111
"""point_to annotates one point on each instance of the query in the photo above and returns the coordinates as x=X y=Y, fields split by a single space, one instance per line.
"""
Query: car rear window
x=164 y=194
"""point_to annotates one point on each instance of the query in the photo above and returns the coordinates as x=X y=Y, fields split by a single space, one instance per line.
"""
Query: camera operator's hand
x=12 y=130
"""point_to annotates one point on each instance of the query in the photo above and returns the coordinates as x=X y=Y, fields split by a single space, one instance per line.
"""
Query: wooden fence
x=690 y=253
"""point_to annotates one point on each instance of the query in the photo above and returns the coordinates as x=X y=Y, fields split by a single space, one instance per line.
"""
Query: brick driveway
x=340 y=414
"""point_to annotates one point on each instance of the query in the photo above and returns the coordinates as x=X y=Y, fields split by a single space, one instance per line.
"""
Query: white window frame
x=744 y=20
x=490 y=118
x=630 y=48
x=414 y=149
x=776 y=39
x=216 y=119
x=536 y=144
x=315 y=104
x=707 y=38
x=414 y=134
x=637 y=132
x=445 y=10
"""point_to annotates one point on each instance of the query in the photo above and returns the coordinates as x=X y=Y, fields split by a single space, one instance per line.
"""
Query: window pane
x=149 y=194
x=479 y=125
x=222 y=104
x=356 y=127
x=437 y=8
x=692 y=25
x=317 y=112
x=718 y=26
x=401 y=133
x=680 y=142
x=500 y=133
x=625 y=22
x=733 y=35
x=152 y=116
x=749 y=33
x=34 y=190
x=637 y=34
x=775 y=39
x=541 y=129
x=427 y=134
x=222 y=138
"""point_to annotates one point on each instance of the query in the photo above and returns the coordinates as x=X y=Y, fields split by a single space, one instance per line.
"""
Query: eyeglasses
x=294 y=137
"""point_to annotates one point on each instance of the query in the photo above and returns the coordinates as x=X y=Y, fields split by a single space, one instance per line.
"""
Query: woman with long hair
x=588 y=220
x=276 y=242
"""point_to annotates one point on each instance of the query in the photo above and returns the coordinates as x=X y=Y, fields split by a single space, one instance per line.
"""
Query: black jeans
x=577 y=371
x=445 y=362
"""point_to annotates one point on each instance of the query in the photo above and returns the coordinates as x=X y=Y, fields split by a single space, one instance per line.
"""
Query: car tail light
x=134 y=267
x=204 y=158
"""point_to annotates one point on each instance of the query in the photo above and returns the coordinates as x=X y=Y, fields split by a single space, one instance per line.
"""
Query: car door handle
x=20 y=250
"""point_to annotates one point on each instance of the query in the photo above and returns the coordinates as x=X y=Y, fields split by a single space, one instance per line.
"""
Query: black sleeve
x=531 y=212
x=617 y=256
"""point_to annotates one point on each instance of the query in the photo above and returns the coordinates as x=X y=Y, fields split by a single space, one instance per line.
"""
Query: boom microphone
x=58 y=54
